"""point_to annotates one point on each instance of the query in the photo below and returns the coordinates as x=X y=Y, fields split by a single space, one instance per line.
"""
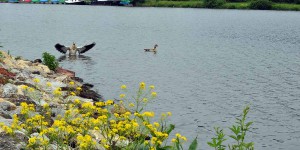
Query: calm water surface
x=209 y=65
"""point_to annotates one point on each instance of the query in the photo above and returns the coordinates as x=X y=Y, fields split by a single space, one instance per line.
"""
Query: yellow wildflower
x=73 y=93
x=122 y=95
x=174 y=140
x=183 y=138
x=148 y=114
x=142 y=85
x=152 y=87
x=32 y=141
x=169 y=113
x=145 y=100
x=36 y=80
x=156 y=124
x=109 y=102
x=106 y=146
x=153 y=94
x=123 y=86
x=78 y=89
x=127 y=126
x=77 y=101
x=48 y=84
x=178 y=135
x=71 y=83
x=131 y=105
x=24 y=87
x=31 y=89
x=46 y=105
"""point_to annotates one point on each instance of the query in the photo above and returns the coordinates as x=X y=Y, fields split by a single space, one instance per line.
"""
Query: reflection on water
x=73 y=58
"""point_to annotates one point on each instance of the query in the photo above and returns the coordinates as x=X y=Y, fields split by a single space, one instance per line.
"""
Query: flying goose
x=151 y=49
x=73 y=49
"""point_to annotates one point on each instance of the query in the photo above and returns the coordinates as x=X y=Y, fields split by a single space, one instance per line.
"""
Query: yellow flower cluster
x=119 y=127
x=57 y=92
x=85 y=142
x=36 y=80
x=25 y=108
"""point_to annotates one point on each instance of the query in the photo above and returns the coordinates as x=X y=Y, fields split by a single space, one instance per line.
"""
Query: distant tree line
x=276 y=1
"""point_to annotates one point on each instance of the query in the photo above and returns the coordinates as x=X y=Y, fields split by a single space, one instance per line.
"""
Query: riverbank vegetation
x=223 y=4
x=56 y=117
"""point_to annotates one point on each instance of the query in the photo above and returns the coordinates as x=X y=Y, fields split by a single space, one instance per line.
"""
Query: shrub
x=213 y=3
x=239 y=133
x=261 y=4
x=286 y=1
x=50 y=61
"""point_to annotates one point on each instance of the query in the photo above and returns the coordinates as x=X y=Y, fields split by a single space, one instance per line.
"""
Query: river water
x=210 y=63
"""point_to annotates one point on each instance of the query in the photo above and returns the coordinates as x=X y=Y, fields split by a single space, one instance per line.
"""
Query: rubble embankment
x=17 y=73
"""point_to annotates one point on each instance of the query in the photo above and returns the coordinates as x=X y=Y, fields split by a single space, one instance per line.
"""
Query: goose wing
x=85 y=48
x=61 y=48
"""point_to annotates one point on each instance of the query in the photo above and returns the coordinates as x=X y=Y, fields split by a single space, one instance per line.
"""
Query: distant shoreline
x=227 y=5
x=198 y=4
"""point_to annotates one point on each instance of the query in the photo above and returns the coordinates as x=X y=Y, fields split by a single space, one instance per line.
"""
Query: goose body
x=73 y=49
x=151 y=49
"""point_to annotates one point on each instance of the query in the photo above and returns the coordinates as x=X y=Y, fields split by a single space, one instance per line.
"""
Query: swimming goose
x=73 y=49
x=151 y=49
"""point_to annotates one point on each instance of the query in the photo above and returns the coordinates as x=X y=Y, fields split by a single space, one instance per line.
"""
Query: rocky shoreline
x=17 y=73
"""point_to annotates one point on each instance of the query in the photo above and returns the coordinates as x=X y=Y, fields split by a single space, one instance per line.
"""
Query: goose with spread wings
x=73 y=49
x=151 y=49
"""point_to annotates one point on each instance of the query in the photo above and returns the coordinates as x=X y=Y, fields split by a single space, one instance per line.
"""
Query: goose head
x=155 y=45
x=73 y=46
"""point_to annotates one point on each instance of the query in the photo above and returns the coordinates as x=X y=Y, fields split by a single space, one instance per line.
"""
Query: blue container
x=54 y=1
x=13 y=1
x=43 y=1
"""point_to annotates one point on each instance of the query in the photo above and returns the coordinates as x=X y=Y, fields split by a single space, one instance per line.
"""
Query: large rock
x=23 y=64
x=8 y=60
x=90 y=94
x=6 y=105
x=83 y=100
x=44 y=70
x=3 y=80
x=18 y=99
x=5 y=121
x=9 y=89
x=8 y=142
x=67 y=72
x=22 y=76
x=6 y=73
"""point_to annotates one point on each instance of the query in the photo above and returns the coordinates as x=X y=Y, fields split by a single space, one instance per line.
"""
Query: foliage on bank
x=50 y=61
x=110 y=125
x=222 y=4
x=121 y=124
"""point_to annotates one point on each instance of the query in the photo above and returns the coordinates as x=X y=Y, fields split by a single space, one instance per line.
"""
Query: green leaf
x=239 y=137
x=177 y=144
x=235 y=130
x=248 y=124
x=170 y=128
x=211 y=144
x=232 y=136
x=194 y=144
x=165 y=148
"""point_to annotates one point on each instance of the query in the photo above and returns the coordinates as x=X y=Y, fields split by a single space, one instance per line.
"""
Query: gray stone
x=6 y=122
x=7 y=142
x=16 y=71
x=9 y=89
x=83 y=100
x=22 y=76
x=7 y=105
